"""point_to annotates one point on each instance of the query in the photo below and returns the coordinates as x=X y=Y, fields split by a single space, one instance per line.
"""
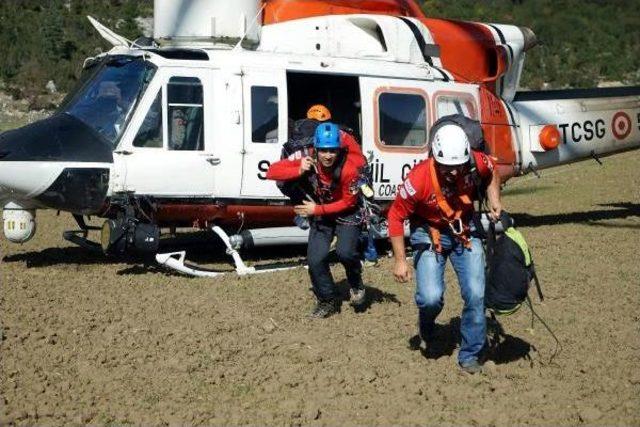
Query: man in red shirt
x=437 y=197
x=301 y=145
x=332 y=173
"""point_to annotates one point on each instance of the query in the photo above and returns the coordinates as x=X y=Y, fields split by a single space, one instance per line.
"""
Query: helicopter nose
x=58 y=162
x=26 y=180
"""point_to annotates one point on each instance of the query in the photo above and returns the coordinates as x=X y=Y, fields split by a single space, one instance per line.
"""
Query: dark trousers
x=320 y=237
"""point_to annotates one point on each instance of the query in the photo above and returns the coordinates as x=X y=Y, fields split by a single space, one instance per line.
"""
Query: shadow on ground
x=621 y=210
x=373 y=296
x=201 y=248
x=502 y=347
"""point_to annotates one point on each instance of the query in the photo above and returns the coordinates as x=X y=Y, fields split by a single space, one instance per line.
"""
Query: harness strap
x=335 y=177
x=436 y=238
x=419 y=249
x=451 y=216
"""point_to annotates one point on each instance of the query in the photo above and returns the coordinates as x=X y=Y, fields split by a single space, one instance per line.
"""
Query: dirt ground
x=86 y=340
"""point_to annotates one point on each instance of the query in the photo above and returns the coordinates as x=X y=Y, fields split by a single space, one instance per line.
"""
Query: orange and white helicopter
x=180 y=130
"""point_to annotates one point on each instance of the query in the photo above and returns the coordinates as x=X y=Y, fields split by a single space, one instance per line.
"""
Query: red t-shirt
x=416 y=199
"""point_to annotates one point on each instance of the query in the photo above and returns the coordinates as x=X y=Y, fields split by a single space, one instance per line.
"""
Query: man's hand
x=306 y=209
x=495 y=209
x=401 y=271
x=306 y=164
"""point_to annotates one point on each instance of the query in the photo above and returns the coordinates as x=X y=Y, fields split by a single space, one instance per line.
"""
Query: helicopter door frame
x=264 y=92
x=159 y=171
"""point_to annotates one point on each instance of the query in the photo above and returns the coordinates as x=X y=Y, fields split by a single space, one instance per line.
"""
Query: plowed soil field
x=88 y=340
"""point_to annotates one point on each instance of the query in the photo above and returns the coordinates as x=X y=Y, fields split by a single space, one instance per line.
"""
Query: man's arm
x=489 y=173
x=401 y=209
x=493 y=194
x=286 y=170
x=401 y=270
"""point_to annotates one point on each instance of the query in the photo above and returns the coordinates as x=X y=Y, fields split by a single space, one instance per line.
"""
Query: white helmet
x=450 y=145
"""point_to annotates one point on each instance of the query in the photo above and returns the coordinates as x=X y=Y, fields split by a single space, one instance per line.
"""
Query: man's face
x=327 y=158
x=451 y=174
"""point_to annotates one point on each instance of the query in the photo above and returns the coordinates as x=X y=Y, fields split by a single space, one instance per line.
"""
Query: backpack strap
x=314 y=179
x=534 y=277
x=337 y=171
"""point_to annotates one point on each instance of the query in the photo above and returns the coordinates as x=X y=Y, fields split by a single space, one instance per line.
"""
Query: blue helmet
x=327 y=136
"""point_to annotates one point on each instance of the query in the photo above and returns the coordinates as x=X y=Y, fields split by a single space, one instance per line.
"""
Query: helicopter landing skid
x=176 y=261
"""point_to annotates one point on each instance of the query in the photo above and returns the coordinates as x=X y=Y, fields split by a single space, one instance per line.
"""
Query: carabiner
x=456 y=226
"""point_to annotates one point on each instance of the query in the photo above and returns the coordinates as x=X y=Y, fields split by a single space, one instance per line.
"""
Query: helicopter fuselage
x=188 y=133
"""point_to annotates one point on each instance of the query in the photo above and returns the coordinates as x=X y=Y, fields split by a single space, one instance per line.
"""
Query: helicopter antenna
x=250 y=27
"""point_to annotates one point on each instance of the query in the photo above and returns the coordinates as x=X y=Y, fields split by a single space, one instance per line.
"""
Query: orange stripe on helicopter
x=276 y=11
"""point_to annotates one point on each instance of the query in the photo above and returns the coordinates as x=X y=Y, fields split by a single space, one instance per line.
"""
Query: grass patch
x=9 y=124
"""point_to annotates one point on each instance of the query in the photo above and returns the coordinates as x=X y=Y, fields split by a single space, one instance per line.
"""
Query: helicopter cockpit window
x=403 y=119
x=185 y=114
x=106 y=101
x=264 y=114
x=456 y=104
x=150 y=132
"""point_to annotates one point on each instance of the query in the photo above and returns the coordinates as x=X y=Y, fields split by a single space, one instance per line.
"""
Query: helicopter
x=179 y=130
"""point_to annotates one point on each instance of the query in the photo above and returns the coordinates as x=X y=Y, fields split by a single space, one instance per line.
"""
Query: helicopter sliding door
x=167 y=150
x=265 y=129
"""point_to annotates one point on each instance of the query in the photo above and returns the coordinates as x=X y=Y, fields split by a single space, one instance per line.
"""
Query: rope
x=558 y=348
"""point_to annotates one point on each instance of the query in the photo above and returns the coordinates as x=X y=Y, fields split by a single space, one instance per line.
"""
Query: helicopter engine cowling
x=19 y=223
x=203 y=22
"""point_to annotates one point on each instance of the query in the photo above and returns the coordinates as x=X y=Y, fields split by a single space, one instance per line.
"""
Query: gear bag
x=300 y=146
x=510 y=269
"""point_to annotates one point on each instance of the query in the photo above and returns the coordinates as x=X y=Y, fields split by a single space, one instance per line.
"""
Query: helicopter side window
x=455 y=104
x=150 y=132
x=185 y=114
x=403 y=119
x=264 y=114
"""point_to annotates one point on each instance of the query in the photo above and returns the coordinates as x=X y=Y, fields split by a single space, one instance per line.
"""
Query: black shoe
x=357 y=296
x=473 y=366
x=425 y=331
x=324 y=309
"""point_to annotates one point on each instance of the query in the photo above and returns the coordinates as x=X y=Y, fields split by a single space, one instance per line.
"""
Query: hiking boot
x=472 y=367
x=323 y=309
x=357 y=296
x=370 y=263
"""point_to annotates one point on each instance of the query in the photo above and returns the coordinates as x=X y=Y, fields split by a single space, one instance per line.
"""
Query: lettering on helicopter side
x=378 y=172
x=263 y=167
x=621 y=125
x=406 y=168
x=388 y=190
x=583 y=131
x=380 y=176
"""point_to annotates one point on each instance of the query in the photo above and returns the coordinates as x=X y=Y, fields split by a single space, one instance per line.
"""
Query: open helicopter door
x=265 y=129
x=167 y=149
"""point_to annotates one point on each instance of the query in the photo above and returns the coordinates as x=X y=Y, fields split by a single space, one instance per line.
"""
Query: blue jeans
x=469 y=266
